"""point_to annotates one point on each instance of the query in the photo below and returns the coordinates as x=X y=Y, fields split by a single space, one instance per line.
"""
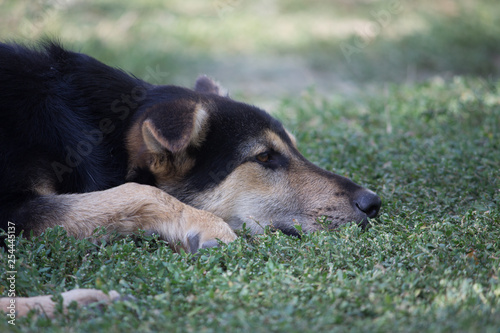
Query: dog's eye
x=263 y=157
x=272 y=159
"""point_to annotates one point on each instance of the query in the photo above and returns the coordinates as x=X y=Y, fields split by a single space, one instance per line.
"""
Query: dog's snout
x=368 y=202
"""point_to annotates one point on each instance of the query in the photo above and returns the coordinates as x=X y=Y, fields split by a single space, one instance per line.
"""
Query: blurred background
x=263 y=51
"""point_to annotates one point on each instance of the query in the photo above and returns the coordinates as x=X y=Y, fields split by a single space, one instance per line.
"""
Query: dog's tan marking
x=43 y=186
x=275 y=142
x=135 y=146
x=199 y=126
x=45 y=305
x=292 y=138
x=268 y=140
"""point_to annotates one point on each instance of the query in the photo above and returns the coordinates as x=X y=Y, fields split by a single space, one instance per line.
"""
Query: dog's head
x=237 y=162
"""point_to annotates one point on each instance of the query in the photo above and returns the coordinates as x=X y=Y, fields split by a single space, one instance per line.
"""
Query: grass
x=430 y=262
x=416 y=118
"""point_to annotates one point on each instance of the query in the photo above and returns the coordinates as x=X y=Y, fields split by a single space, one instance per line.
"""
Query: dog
x=85 y=145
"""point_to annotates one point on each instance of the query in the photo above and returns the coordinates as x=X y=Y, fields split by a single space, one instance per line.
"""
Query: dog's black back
x=63 y=115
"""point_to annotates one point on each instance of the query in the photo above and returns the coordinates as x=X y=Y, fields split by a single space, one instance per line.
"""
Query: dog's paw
x=205 y=230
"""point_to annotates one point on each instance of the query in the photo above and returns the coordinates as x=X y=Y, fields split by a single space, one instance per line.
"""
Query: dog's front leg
x=125 y=209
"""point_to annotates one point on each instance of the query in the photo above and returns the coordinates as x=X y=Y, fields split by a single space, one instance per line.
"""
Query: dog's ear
x=204 y=84
x=172 y=126
x=158 y=140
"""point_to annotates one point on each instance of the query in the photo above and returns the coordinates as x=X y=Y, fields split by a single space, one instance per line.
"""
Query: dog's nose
x=367 y=202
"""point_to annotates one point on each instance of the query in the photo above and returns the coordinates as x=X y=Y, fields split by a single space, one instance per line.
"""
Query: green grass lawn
x=429 y=263
x=428 y=143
